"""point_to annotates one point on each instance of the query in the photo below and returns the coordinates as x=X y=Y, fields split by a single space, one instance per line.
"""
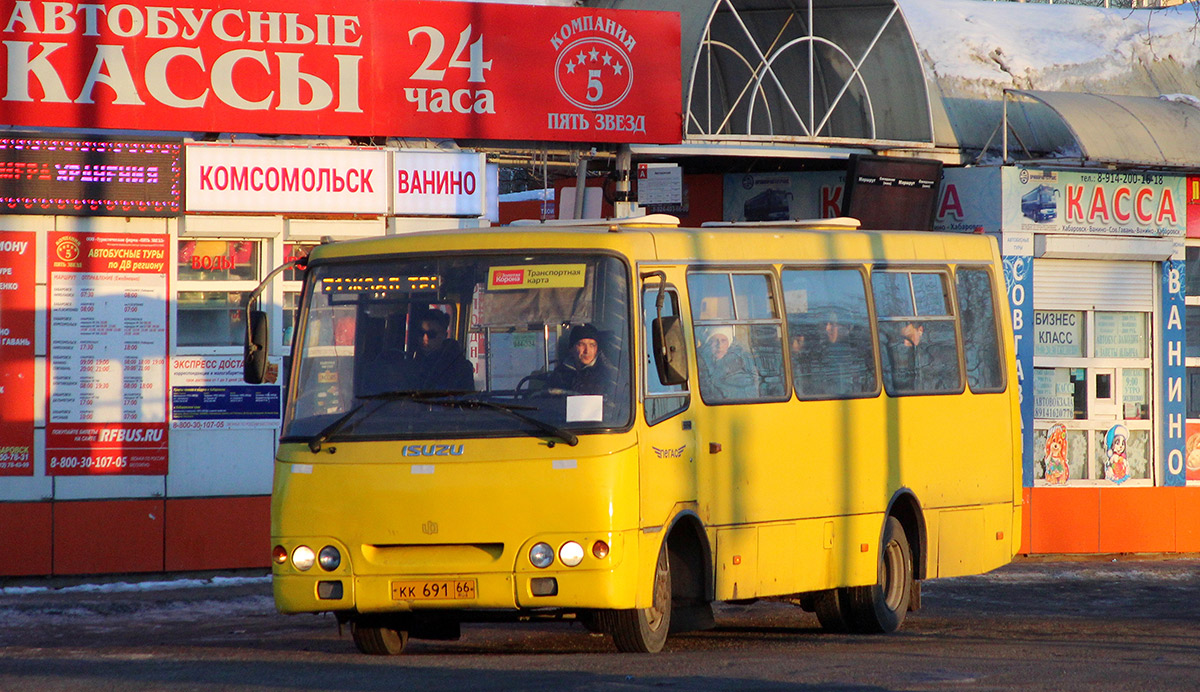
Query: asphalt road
x=1121 y=625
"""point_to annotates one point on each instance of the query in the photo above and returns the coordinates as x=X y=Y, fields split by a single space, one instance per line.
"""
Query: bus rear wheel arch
x=879 y=608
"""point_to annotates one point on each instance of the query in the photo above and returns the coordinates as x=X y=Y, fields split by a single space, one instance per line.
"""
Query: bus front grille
x=434 y=557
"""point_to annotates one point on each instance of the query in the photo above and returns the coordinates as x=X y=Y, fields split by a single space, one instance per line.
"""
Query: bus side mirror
x=254 y=363
x=670 y=350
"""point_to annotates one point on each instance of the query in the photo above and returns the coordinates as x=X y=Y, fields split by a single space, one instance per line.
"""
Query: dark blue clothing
x=598 y=378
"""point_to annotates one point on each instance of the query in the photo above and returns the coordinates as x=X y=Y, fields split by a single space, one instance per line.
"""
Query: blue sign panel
x=235 y=402
x=1018 y=277
x=1172 y=377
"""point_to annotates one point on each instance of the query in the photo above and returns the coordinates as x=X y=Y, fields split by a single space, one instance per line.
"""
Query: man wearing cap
x=585 y=370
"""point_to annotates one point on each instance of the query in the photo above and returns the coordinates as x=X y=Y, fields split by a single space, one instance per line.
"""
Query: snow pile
x=126 y=587
x=977 y=48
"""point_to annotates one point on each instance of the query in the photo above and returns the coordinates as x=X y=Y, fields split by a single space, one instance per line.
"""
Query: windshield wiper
x=314 y=444
x=512 y=410
x=448 y=399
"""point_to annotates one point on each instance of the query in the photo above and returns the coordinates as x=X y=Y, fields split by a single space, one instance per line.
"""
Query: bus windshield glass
x=462 y=346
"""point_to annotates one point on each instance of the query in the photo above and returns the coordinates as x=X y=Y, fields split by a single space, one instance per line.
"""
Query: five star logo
x=67 y=249
x=594 y=73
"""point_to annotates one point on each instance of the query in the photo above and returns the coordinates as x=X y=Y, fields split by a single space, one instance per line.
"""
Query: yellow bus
x=624 y=423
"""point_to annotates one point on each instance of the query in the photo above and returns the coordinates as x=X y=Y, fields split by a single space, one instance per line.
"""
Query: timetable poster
x=17 y=285
x=108 y=355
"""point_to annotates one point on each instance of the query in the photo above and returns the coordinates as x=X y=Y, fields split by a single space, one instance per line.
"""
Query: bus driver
x=586 y=369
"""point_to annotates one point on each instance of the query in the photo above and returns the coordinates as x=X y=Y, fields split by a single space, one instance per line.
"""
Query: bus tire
x=378 y=640
x=881 y=607
x=831 y=607
x=644 y=630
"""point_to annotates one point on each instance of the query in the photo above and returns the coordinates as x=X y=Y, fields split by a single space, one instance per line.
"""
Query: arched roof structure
x=833 y=72
x=822 y=78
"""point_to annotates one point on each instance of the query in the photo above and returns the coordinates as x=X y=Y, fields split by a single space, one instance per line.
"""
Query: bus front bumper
x=556 y=589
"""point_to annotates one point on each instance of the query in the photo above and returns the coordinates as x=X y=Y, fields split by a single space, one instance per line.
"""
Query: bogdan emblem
x=594 y=70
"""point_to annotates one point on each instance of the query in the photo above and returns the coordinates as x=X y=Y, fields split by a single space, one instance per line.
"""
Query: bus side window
x=918 y=342
x=739 y=336
x=981 y=344
x=662 y=401
x=829 y=333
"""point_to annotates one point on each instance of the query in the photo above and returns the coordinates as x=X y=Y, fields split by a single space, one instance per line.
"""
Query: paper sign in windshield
x=537 y=276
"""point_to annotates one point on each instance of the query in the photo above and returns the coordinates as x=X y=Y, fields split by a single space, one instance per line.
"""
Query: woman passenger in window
x=727 y=371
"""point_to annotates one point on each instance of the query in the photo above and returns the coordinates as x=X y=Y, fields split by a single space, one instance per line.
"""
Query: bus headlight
x=541 y=555
x=303 y=558
x=571 y=553
x=329 y=558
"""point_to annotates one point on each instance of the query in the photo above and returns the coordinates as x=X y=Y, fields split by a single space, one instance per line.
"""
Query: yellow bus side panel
x=792 y=557
x=972 y=540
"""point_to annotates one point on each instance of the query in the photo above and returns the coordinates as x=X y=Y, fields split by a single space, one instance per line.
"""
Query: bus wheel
x=832 y=610
x=881 y=608
x=644 y=631
x=378 y=640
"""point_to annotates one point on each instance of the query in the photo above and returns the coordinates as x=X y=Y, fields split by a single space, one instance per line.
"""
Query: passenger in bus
x=919 y=363
x=437 y=364
x=839 y=364
x=800 y=357
x=906 y=358
x=727 y=371
x=585 y=369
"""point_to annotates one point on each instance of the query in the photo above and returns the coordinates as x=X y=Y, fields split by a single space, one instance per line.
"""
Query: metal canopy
x=842 y=72
x=1123 y=130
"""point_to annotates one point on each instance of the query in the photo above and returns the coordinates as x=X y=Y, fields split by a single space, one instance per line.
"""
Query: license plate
x=446 y=589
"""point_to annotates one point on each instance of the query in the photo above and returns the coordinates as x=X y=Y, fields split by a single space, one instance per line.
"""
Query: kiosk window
x=214 y=279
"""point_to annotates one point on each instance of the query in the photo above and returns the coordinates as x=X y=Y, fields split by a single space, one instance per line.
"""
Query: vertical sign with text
x=16 y=353
x=108 y=354
x=1174 y=372
x=1017 y=252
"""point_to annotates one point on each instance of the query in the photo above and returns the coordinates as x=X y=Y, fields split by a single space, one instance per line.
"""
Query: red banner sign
x=99 y=449
x=16 y=353
x=403 y=68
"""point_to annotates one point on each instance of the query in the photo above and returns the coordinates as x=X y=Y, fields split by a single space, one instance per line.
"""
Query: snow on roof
x=976 y=48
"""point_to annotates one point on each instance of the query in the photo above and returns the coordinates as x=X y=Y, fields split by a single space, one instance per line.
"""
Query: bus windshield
x=462 y=346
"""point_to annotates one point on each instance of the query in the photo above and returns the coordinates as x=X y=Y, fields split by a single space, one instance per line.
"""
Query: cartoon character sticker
x=1058 y=471
x=1193 y=452
x=1116 y=469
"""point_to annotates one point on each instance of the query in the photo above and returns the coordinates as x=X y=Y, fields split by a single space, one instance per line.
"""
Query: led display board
x=90 y=177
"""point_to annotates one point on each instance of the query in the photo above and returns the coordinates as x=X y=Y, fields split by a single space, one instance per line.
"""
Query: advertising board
x=17 y=304
x=90 y=177
x=107 y=373
x=361 y=68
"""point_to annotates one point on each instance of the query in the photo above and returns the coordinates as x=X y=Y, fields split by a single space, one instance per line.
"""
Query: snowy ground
x=1032 y=586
